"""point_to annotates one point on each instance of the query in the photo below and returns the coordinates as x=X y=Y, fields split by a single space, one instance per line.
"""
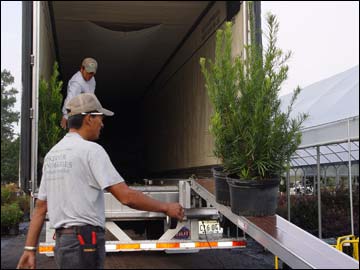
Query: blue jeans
x=71 y=254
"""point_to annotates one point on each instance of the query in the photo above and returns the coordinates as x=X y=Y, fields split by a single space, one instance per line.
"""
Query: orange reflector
x=45 y=249
x=127 y=246
x=238 y=243
x=206 y=244
x=167 y=245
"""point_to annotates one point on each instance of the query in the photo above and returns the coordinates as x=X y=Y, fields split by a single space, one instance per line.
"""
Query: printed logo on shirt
x=57 y=164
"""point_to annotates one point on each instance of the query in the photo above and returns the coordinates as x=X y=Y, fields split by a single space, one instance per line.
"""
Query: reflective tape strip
x=46 y=249
x=225 y=244
x=239 y=244
x=187 y=245
x=110 y=247
x=128 y=246
x=206 y=244
x=167 y=245
x=148 y=246
x=159 y=246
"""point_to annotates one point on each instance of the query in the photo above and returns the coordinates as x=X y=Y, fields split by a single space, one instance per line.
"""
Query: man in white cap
x=82 y=81
x=76 y=172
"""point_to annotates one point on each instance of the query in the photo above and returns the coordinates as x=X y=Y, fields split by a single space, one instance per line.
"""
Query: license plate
x=210 y=227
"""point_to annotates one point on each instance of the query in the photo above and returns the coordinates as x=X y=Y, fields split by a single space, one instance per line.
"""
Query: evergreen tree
x=9 y=144
x=10 y=160
x=8 y=99
x=50 y=99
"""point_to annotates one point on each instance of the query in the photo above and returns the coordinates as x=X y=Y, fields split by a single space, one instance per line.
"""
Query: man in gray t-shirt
x=76 y=172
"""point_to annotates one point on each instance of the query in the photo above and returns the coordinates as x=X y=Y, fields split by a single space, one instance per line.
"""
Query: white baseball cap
x=85 y=103
x=90 y=65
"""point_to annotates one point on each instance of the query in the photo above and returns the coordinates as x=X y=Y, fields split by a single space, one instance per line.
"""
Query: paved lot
x=251 y=257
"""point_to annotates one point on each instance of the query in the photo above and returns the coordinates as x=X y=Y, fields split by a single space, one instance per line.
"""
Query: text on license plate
x=210 y=226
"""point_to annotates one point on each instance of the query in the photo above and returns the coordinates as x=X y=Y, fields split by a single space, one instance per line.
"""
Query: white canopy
x=329 y=100
x=333 y=108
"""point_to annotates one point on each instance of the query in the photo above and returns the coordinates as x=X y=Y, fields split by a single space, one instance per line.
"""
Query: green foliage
x=10 y=160
x=8 y=99
x=24 y=203
x=335 y=212
x=9 y=142
x=50 y=99
x=10 y=214
x=13 y=205
x=5 y=195
x=304 y=213
x=253 y=137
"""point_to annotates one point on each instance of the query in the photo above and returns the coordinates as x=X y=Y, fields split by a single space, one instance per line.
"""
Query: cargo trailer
x=149 y=74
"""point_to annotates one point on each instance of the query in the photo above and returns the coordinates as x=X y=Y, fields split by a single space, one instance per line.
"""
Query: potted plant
x=254 y=139
x=11 y=216
x=221 y=85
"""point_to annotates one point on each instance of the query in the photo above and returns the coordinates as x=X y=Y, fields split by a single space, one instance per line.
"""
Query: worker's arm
x=137 y=200
x=73 y=90
x=27 y=260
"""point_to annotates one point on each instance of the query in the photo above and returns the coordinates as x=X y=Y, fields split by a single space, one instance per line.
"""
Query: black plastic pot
x=222 y=192
x=253 y=197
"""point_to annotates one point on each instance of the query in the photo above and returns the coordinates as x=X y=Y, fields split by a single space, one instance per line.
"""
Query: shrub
x=8 y=193
x=13 y=205
x=304 y=213
x=10 y=214
x=5 y=195
x=335 y=211
x=24 y=204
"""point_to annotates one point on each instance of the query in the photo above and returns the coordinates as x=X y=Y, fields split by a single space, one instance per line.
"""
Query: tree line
x=10 y=140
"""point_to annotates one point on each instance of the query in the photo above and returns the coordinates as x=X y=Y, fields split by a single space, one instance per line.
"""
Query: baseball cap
x=89 y=64
x=85 y=103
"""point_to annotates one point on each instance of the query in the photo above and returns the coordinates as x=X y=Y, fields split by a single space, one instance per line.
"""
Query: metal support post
x=319 y=189
x=288 y=192
x=35 y=100
x=350 y=182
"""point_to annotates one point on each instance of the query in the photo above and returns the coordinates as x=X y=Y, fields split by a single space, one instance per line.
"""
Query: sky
x=322 y=35
x=11 y=24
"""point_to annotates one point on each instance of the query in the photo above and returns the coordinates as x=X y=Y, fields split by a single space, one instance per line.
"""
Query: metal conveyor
x=294 y=246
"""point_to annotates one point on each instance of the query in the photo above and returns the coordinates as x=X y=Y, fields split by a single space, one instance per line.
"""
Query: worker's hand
x=63 y=122
x=27 y=260
x=175 y=210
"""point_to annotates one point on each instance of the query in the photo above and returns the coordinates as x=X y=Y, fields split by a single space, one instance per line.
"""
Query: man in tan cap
x=76 y=173
x=82 y=81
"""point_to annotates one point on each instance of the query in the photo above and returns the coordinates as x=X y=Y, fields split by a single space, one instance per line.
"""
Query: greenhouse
x=329 y=152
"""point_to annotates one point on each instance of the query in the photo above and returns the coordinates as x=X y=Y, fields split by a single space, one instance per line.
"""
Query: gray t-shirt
x=75 y=173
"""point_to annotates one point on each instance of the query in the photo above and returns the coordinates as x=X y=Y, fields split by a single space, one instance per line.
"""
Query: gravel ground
x=252 y=257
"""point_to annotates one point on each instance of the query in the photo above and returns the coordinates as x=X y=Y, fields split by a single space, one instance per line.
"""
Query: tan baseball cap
x=90 y=65
x=85 y=103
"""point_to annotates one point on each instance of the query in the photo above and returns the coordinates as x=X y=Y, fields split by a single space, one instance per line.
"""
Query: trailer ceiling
x=131 y=40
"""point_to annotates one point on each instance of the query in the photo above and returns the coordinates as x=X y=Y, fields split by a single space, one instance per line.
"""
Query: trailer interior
x=148 y=73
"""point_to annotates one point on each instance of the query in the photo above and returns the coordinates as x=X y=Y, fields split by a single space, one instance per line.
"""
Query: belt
x=76 y=229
